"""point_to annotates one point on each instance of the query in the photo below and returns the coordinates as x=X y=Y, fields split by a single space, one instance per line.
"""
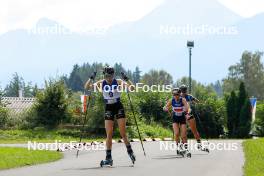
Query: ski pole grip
x=93 y=76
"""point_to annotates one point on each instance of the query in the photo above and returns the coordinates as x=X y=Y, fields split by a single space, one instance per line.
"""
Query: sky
x=74 y=14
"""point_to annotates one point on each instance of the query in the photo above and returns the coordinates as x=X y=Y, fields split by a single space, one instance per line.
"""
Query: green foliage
x=260 y=119
x=151 y=107
x=75 y=82
x=200 y=91
x=95 y=116
x=3 y=116
x=244 y=126
x=52 y=104
x=231 y=109
x=238 y=113
x=249 y=70
x=3 y=112
x=212 y=115
x=17 y=83
x=157 y=77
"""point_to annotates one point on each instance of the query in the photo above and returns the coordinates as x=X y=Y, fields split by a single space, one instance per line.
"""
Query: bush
x=52 y=104
x=212 y=114
x=3 y=117
x=259 y=123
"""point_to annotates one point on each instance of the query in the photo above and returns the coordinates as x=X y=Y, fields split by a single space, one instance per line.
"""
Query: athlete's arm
x=194 y=99
x=186 y=105
x=167 y=106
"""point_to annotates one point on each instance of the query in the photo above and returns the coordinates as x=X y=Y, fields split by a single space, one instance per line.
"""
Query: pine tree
x=231 y=108
x=75 y=81
x=245 y=120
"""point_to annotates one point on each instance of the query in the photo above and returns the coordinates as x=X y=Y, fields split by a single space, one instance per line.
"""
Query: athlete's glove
x=187 y=115
x=92 y=77
x=165 y=109
x=124 y=76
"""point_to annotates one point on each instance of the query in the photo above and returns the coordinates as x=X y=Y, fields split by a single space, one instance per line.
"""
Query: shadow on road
x=95 y=168
x=167 y=157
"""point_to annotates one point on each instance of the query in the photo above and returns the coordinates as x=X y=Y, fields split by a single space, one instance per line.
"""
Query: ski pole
x=133 y=112
x=85 y=114
x=170 y=114
x=132 y=109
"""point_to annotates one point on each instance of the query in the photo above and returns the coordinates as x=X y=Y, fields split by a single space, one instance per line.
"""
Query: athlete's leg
x=122 y=128
x=109 y=124
x=184 y=133
x=192 y=124
x=176 y=132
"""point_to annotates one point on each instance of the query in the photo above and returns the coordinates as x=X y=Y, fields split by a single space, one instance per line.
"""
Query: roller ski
x=185 y=153
x=107 y=162
x=202 y=148
x=108 y=159
x=131 y=154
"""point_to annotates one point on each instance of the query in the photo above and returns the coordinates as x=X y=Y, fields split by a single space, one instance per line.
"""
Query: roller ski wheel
x=178 y=152
x=106 y=163
x=132 y=157
x=181 y=153
x=188 y=155
x=205 y=150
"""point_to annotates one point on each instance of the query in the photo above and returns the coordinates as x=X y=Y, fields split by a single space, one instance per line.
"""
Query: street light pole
x=190 y=70
x=190 y=45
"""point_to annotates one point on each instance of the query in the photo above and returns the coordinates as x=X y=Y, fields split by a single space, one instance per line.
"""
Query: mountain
x=141 y=43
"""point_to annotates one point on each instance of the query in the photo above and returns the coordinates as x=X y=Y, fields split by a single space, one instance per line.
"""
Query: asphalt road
x=157 y=163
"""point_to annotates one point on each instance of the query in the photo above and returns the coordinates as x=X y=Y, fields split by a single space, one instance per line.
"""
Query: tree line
x=224 y=108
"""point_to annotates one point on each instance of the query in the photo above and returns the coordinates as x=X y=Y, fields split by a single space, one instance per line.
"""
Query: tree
x=157 y=77
x=260 y=119
x=17 y=83
x=231 y=109
x=136 y=75
x=52 y=104
x=3 y=111
x=218 y=88
x=245 y=119
x=75 y=82
x=238 y=113
x=249 y=70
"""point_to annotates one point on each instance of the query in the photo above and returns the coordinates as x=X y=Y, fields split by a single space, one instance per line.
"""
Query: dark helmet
x=108 y=70
x=176 y=91
x=183 y=88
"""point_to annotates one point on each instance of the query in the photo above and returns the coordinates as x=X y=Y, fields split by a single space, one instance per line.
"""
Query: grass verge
x=12 y=157
x=254 y=155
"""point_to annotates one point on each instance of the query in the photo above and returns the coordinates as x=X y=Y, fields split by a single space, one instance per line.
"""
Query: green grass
x=23 y=136
x=67 y=135
x=16 y=157
x=254 y=154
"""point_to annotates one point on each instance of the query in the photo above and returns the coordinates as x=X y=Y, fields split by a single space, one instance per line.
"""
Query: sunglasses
x=176 y=94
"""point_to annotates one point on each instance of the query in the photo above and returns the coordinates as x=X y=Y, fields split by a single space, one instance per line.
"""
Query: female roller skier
x=180 y=110
x=113 y=110
x=191 y=120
